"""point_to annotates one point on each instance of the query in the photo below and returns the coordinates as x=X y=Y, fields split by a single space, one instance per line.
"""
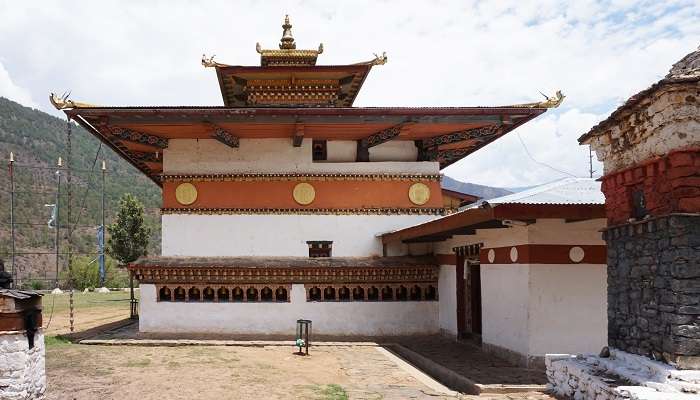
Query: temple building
x=274 y=203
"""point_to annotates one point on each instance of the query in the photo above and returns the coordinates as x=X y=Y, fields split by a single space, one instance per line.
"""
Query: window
x=318 y=150
x=320 y=248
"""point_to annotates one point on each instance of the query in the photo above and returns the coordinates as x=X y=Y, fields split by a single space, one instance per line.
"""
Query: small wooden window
x=318 y=149
x=320 y=248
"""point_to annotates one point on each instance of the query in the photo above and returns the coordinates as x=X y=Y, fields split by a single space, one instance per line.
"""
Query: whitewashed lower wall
x=504 y=306
x=447 y=288
x=331 y=318
x=277 y=235
x=22 y=370
x=568 y=308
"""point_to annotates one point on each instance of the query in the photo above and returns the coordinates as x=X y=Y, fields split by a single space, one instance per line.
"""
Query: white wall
x=332 y=318
x=276 y=235
x=447 y=288
x=505 y=294
x=208 y=156
x=568 y=309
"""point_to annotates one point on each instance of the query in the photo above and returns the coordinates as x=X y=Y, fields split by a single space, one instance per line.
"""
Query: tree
x=128 y=235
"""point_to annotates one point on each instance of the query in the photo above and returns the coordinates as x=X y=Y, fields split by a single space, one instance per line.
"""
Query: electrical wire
x=539 y=162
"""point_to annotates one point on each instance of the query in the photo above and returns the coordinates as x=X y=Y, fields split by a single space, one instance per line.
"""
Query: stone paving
x=470 y=361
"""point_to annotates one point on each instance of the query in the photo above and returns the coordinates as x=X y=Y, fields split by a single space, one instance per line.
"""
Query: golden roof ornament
x=62 y=102
x=287 y=41
x=549 y=102
x=287 y=55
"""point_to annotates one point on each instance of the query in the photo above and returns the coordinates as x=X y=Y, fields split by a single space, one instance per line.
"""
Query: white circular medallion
x=491 y=255
x=513 y=254
x=576 y=254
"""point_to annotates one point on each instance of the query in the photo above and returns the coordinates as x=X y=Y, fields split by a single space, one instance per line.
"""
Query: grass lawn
x=90 y=309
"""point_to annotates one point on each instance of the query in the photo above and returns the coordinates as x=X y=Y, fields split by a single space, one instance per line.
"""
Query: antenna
x=590 y=161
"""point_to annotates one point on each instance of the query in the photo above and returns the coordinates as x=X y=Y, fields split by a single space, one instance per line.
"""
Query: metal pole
x=12 y=217
x=69 y=165
x=102 y=232
x=58 y=220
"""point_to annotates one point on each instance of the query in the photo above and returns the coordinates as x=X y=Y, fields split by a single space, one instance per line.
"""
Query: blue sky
x=441 y=53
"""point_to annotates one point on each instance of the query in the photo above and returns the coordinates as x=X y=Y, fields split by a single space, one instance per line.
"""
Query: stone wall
x=654 y=288
x=666 y=117
x=22 y=370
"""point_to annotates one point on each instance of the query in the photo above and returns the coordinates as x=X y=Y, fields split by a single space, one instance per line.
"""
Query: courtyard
x=176 y=371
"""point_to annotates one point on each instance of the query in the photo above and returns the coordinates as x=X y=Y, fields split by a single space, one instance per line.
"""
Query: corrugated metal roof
x=19 y=294
x=564 y=191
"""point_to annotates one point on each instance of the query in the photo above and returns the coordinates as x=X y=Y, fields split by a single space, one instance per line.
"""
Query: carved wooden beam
x=225 y=137
x=139 y=137
x=447 y=157
x=298 y=135
x=151 y=157
x=483 y=133
x=375 y=139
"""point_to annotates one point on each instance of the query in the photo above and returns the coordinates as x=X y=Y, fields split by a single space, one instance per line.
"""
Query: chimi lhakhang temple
x=274 y=204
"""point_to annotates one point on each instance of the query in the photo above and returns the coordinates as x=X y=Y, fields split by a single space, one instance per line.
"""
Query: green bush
x=86 y=275
x=36 y=284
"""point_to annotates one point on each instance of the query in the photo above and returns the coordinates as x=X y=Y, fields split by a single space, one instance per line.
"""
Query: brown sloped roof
x=284 y=262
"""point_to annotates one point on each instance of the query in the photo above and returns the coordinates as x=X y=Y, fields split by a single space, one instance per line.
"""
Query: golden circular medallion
x=419 y=194
x=186 y=193
x=304 y=193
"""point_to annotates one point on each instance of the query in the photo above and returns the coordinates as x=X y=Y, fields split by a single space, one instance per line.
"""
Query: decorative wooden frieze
x=139 y=137
x=447 y=157
x=225 y=137
x=483 y=133
x=242 y=276
x=306 y=211
x=152 y=157
x=301 y=176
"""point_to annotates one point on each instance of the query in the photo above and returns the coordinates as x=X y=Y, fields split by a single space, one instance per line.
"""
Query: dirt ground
x=85 y=372
x=90 y=310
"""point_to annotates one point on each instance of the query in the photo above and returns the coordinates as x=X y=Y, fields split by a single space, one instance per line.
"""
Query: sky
x=441 y=53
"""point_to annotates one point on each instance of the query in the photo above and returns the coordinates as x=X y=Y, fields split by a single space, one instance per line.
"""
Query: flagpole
x=57 y=222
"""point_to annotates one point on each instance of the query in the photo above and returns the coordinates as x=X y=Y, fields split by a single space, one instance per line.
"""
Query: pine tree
x=128 y=235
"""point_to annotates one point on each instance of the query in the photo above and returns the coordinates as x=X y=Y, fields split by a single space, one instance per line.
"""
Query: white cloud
x=440 y=53
x=12 y=91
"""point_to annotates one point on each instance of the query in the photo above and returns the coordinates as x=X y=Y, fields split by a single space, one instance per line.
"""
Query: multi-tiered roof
x=289 y=96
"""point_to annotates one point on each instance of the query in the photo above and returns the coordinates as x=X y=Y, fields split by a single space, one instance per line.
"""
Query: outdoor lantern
x=303 y=333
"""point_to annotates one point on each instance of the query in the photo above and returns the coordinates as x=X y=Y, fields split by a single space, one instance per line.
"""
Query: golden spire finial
x=287 y=41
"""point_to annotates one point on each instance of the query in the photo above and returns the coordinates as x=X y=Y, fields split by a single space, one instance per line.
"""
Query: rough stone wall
x=654 y=288
x=22 y=371
x=667 y=119
x=669 y=184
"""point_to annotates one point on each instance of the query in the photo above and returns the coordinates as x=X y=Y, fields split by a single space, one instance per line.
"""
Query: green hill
x=37 y=139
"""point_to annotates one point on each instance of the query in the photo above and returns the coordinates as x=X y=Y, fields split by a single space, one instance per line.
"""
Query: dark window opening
x=402 y=293
x=319 y=150
x=165 y=294
x=387 y=293
x=194 y=294
x=344 y=294
x=237 y=294
x=329 y=294
x=266 y=294
x=315 y=294
x=208 y=294
x=179 y=294
x=431 y=293
x=320 y=248
x=223 y=294
x=373 y=294
x=415 y=293
x=281 y=294
x=358 y=294
x=251 y=294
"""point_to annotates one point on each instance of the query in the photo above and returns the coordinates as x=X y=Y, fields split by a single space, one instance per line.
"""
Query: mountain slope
x=37 y=140
x=484 y=192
